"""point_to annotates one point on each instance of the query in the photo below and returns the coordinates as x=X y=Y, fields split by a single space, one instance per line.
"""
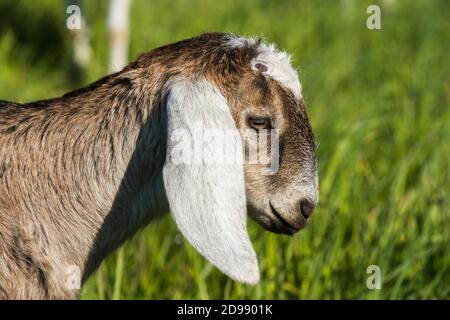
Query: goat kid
x=81 y=173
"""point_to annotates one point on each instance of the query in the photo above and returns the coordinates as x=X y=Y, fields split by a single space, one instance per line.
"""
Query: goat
x=81 y=173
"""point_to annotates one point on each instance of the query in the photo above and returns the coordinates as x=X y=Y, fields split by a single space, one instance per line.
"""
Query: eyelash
x=259 y=123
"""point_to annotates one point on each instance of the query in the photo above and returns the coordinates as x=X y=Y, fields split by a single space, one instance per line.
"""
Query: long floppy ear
x=207 y=200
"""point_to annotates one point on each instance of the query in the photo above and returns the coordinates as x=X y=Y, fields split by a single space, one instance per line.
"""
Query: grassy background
x=379 y=103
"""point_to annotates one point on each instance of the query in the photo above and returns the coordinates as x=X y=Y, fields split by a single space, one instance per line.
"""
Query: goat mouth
x=287 y=227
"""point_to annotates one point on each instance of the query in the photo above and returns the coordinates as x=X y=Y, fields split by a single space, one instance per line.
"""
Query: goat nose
x=306 y=208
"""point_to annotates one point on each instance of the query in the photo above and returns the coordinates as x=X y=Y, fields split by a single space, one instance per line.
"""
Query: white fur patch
x=237 y=42
x=278 y=63
x=208 y=201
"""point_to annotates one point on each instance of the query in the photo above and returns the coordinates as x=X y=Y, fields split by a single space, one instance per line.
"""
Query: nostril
x=306 y=208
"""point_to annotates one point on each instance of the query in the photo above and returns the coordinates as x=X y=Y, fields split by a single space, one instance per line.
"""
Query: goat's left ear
x=206 y=198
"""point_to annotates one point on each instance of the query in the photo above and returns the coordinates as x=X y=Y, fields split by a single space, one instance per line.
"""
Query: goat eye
x=259 y=123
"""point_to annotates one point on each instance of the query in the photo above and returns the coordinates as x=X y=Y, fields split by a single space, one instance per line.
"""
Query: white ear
x=207 y=200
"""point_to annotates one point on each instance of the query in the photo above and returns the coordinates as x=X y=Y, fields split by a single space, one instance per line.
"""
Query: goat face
x=280 y=164
x=250 y=91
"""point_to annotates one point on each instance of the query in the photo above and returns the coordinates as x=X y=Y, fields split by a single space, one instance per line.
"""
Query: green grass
x=379 y=103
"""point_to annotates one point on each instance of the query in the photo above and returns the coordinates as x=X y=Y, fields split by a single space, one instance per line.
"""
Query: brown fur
x=81 y=173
